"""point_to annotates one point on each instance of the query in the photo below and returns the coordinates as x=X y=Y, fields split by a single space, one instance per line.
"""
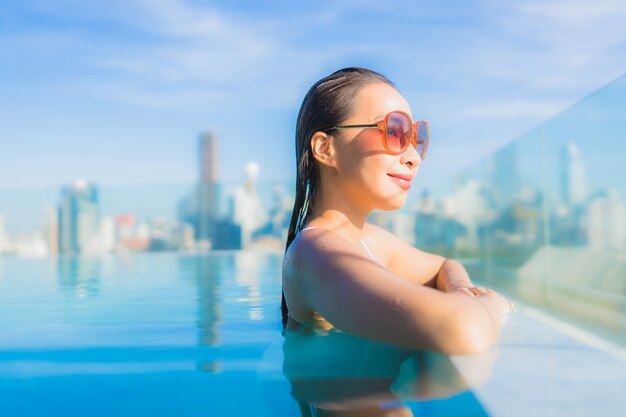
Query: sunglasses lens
x=421 y=139
x=398 y=132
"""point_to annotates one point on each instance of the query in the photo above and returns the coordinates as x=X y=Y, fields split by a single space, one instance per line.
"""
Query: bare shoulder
x=320 y=260
x=316 y=253
x=374 y=232
x=315 y=263
x=383 y=243
x=401 y=258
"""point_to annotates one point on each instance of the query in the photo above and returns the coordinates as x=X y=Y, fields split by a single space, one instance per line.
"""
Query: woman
x=357 y=150
x=343 y=375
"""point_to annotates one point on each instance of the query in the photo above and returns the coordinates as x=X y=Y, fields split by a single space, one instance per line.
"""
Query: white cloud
x=565 y=44
x=574 y=12
x=515 y=109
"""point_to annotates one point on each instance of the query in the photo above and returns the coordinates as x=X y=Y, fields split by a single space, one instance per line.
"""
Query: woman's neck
x=338 y=216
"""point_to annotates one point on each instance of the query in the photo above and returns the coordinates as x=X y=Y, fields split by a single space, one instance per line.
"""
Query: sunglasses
x=398 y=132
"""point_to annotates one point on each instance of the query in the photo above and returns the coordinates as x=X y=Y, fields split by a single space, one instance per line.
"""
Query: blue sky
x=117 y=91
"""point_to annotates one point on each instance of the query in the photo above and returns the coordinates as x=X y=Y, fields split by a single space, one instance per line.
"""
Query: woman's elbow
x=466 y=336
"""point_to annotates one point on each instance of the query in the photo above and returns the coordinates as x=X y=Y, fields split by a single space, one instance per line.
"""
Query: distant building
x=208 y=158
x=107 y=233
x=4 y=240
x=182 y=237
x=435 y=228
x=280 y=213
x=131 y=235
x=469 y=208
x=246 y=209
x=50 y=230
x=227 y=235
x=207 y=199
x=505 y=178
x=79 y=218
x=606 y=222
x=400 y=223
x=573 y=177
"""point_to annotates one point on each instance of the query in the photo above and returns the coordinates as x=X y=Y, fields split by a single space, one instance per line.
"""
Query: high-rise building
x=573 y=177
x=4 y=241
x=246 y=209
x=107 y=233
x=79 y=222
x=50 y=229
x=606 y=223
x=208 y=158
x=505 y=178
x=207 y=200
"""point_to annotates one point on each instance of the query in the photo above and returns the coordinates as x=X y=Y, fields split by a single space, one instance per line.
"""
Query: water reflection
x=80 y=275
x=337 y=374
x=221 y=279
x=207 y=273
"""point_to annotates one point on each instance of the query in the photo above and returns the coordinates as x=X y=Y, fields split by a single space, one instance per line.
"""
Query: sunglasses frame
x=382 y=125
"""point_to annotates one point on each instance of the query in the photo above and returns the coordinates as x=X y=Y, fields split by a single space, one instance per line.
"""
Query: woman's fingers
x=478 y=290
x=465 y=291
x=472 y=291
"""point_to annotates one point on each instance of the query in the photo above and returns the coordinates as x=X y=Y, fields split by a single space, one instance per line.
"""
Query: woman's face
x=366 y=172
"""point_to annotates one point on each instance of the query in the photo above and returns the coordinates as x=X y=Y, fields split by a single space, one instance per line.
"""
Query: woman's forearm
x=452 y=276
x=475 y=326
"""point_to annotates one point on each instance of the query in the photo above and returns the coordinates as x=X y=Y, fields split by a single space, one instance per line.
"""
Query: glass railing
x=543 y=219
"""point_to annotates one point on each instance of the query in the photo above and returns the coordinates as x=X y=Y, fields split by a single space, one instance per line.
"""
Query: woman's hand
x=472 y=291
x=480 y=291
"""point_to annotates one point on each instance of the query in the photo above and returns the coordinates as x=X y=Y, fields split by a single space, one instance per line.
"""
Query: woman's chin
x=394 y=202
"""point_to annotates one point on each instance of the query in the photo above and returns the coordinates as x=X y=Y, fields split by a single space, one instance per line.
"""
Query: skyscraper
x=3 y=238
x=208 y=158
x=606 y=221
x=207 y=187
x=50 y=229
x=505 y=176
x=78 y=218
x=573 y=181
x=246 y=208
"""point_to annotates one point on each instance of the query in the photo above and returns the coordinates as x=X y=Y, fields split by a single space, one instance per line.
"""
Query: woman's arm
x=453 y=277
x=417 y=266
x=357 y=295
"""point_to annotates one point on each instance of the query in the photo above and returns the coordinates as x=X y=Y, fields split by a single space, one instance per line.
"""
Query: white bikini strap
x=369 y=252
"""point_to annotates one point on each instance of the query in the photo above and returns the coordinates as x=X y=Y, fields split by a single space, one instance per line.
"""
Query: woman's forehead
x=374 y=101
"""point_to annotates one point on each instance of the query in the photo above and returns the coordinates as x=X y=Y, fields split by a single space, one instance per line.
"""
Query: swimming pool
x=165 y=334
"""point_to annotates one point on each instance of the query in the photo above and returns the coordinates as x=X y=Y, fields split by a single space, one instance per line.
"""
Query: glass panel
x=543 y=219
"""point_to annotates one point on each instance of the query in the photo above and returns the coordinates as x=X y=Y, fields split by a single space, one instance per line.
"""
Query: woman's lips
x=403 y=181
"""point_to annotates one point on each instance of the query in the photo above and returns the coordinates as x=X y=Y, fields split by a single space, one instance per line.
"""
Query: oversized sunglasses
x=398 y=132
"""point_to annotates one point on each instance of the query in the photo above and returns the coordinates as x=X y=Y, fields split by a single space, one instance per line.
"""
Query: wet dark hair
x=328 y=102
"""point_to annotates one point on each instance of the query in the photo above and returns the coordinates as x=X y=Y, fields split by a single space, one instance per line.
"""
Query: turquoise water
x=167 y=334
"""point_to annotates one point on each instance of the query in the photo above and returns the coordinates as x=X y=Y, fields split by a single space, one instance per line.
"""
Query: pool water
x=166 y=334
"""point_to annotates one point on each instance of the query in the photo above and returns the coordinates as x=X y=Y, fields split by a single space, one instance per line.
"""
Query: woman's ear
x=323 y=148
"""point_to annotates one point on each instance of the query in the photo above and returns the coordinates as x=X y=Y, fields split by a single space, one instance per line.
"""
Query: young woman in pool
x=358 y=149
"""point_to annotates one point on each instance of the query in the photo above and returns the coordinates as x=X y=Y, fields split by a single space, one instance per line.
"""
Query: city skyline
x=507 y=200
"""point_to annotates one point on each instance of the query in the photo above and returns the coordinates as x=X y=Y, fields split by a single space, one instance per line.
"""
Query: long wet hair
x=328 y=102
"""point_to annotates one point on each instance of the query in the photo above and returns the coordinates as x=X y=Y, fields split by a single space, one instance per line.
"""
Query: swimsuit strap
x=369 y=252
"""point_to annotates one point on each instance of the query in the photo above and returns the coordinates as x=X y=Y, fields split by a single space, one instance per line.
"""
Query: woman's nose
x=410 y=157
